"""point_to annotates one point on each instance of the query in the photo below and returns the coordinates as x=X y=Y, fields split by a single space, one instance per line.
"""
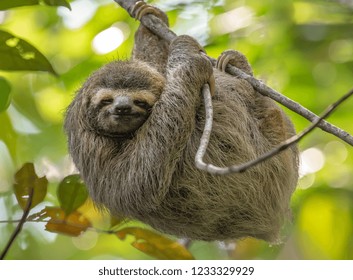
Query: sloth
x=134 y=128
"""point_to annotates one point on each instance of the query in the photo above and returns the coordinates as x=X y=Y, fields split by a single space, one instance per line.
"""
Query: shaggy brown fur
x=150 y=174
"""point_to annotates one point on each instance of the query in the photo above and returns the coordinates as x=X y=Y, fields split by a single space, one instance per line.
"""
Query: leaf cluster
x=17 y=54
x=67 y=219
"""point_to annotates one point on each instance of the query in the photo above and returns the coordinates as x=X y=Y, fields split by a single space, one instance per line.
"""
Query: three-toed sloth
x=134 y=128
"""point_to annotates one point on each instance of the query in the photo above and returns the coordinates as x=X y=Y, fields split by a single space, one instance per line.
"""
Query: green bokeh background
x=303 y=49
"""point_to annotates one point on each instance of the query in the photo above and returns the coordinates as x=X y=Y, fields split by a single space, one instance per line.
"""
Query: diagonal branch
x=159 y=28
x=20 y=224
x=292 y=105
x=244 y=166
x=152 y=22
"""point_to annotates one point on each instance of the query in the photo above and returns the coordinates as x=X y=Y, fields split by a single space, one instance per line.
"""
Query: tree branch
x=242 y=167
x=292 y=105
x=159 y=28
x=20 y=224
x=153 y=23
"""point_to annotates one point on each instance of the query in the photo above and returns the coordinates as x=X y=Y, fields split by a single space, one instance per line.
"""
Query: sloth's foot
x=141 y=8
x=234 y=58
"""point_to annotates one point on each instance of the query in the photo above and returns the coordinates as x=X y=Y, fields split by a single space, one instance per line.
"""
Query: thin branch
x=20 y=224
x=290 y=104
x=205 y=138
x=242 y=167
x=159 y=28
x=10 y=221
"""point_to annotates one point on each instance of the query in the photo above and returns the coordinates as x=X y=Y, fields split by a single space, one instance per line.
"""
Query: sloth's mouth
x=128 y=116
x=119 y=116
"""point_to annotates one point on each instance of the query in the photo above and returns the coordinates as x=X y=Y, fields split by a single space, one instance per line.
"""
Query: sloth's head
x=118 y=98
x=119 y=112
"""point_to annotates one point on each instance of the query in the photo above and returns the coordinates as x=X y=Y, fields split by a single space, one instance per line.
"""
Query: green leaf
x=4 y=5
x=8 y=135
x=155 y=245
x=72 y=193
x=16 y=54
x=57 y=3
x=25 y=180
x=5 y=96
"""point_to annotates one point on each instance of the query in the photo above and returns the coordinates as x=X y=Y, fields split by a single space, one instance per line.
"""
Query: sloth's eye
x=106 y=101
x=142 y=104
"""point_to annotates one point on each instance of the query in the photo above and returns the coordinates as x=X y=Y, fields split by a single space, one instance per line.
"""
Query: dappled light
x=81 y=12
x=107 y=40
x=21 y=124
x=341 y=51
x=232 y=21
x=86 y=241
x=6 y=168
x=311 y=160
x=325 y=223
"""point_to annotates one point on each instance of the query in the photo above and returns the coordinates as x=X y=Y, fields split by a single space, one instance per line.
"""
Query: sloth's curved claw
x=224 y=59
x=141 y=8
x=234 y=58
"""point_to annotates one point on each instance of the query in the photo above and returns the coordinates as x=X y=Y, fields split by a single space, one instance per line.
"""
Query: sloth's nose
x=122 y=105
x=122 y=109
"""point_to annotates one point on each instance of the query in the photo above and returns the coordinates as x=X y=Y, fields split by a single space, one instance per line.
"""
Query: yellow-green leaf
x=25 y=180
x=5 y=96
x=4 y=5
x=155 y=245
x=9 y=4
x=73 y=224
x=72 y=193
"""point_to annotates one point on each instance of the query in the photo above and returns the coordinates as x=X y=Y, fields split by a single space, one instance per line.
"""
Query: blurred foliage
x=25 y=180
x=303 y=49
x=71 y=193
x=155 y=245
x=5 y=96
x=17 y=54
x=4 y=5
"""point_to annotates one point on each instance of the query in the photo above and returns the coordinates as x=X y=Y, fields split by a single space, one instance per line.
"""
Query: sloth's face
x=120 y=112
